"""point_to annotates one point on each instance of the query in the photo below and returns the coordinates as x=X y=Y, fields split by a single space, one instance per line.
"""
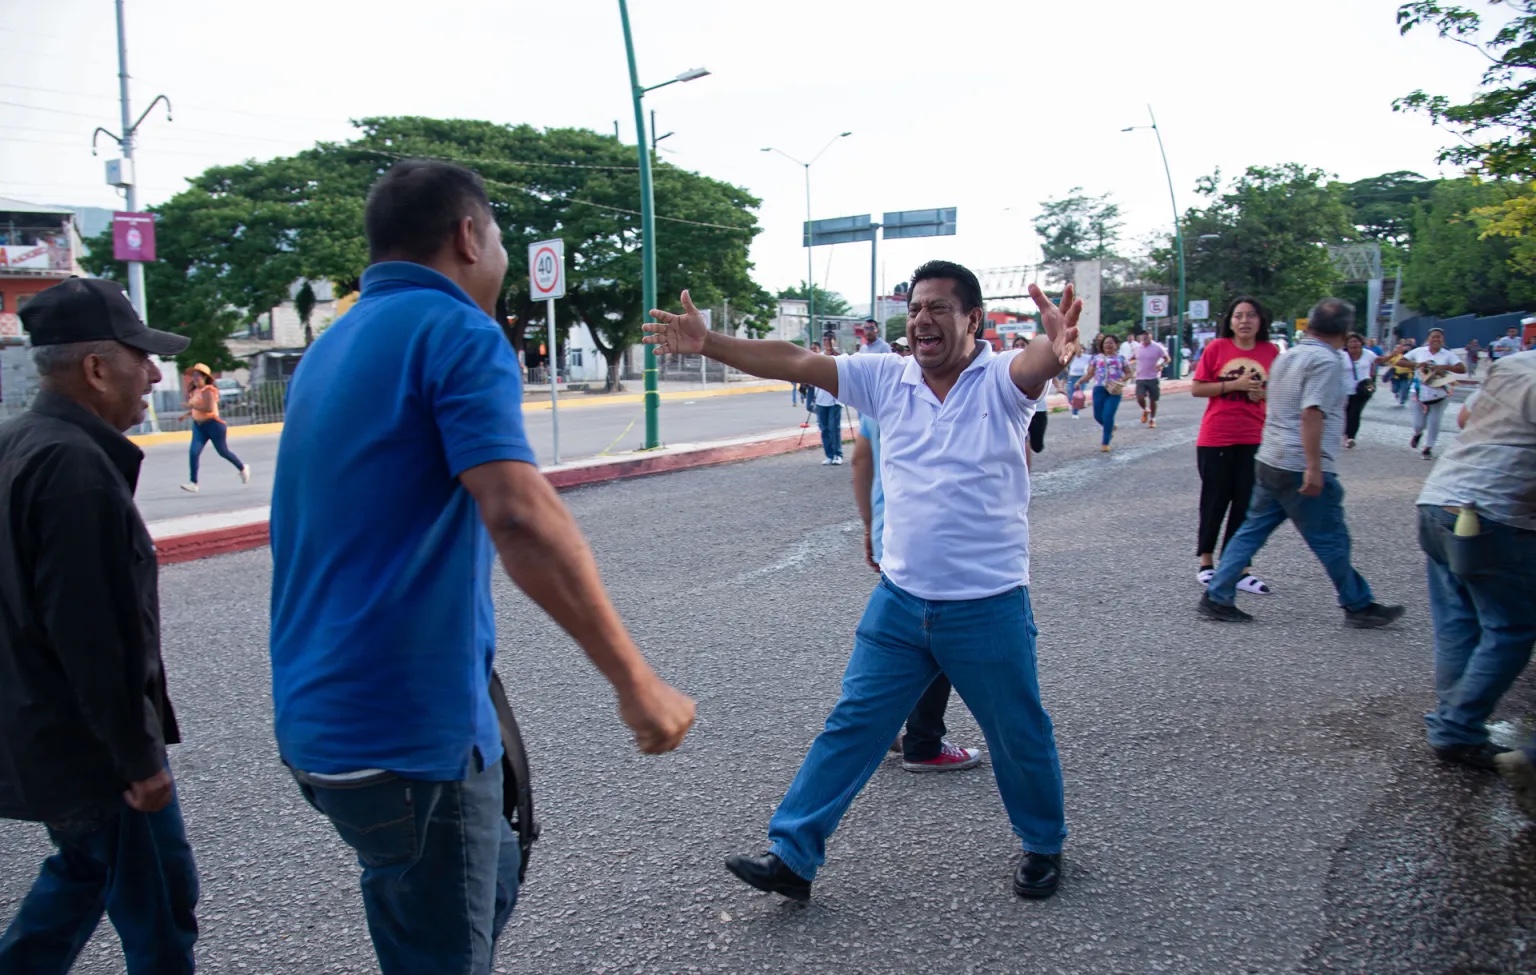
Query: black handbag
x=516 y=783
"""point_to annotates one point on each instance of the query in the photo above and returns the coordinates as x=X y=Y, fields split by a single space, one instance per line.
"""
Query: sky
x=990 y=106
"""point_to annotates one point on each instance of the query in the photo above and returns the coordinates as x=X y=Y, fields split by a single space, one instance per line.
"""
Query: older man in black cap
x=84 y=716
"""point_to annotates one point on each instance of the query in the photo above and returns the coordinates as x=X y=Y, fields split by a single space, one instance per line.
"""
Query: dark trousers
x=214 y=432
x=1226 y=488
x=925 y=725
x=136 y=868
x=1037 y=424
x=1353 y=409
x=830 y=420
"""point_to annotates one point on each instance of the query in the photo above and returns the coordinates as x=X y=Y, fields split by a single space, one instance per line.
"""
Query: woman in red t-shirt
x=1233 y=374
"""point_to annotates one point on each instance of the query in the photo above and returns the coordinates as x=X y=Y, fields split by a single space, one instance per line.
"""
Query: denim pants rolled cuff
x=1044 y=849
x=801 y=867
x=1444 y=734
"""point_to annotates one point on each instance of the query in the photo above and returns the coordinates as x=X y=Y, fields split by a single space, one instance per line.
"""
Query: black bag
x=1365 y=387
x=516 y=783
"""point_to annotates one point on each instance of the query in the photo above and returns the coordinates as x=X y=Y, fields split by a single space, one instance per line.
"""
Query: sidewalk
x=203 y=536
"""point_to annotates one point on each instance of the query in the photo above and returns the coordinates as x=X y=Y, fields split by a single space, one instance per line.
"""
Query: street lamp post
x=647 y=221
x=810 y=241
x=1178 y=231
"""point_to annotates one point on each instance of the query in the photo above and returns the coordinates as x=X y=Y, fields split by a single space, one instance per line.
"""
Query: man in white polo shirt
x=954 y=588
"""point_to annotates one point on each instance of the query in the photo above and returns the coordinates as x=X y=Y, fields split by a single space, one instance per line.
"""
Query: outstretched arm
x=686 y=334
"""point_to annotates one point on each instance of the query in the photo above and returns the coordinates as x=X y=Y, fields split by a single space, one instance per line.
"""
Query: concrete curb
x=228 y=539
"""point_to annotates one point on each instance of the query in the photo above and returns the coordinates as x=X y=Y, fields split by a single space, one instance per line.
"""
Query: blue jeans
x=206 y=432
x=1485 y=620
x=1276 y=497
x=1105 y=407
x=1401 y=387
x=987 y=648
x=439 y=865
x=136 y=867
x=830 y=419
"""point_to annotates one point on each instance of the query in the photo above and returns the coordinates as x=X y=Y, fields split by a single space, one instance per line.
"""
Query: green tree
x=1383 y=206
x=1265 y=234
x=895 y=327
x=1496 y=128
x=829 y=303
x=1078 y=227
x=233 y=243
x=1454 y=269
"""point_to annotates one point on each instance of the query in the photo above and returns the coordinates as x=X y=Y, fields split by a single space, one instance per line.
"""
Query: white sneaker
x=189 y=487
x=245 y=474
x=838 y=461
x=826 y=462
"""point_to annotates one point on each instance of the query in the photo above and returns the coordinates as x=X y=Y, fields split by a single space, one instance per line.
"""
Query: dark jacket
x=83 y=706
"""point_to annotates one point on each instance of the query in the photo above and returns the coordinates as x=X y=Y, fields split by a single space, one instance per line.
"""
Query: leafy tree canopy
x=830 y=303
x=1078 y=227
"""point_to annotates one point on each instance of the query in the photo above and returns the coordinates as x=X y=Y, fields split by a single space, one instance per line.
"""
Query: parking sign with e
x=546 y=269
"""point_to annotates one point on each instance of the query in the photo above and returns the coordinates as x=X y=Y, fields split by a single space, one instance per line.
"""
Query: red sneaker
x=951 y=758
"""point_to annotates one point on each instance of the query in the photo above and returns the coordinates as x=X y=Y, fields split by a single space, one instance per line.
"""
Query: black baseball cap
x=93 y=310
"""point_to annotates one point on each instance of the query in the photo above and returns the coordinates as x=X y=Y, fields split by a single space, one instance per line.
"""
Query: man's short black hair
x=1331 y=316
x=415 y=208
x=967 y=288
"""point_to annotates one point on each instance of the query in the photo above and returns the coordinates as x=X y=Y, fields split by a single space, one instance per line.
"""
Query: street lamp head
x=693 y=74
x=845 y=135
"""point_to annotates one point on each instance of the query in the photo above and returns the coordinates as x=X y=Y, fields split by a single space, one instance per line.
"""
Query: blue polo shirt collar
x=387 y=277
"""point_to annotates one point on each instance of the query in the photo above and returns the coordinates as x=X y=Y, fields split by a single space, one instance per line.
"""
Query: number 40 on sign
x=546 y=269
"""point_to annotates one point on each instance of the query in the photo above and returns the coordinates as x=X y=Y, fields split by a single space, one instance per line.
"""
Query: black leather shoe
x=1221 y=612
x=1372 y=617
x=1472 y=756
x=1037 y=875
x=769 y=873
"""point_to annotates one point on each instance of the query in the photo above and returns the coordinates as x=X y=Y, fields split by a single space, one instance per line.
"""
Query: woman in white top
x=1434 y=363
x=1359 y=383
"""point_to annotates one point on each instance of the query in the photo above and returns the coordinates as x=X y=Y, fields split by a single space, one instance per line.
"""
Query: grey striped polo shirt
x=1309 y=375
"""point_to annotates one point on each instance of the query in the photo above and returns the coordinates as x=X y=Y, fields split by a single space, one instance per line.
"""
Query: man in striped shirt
x=1296 y=476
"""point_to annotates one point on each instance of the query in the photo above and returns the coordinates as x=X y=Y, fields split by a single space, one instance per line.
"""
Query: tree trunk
x=615 y=358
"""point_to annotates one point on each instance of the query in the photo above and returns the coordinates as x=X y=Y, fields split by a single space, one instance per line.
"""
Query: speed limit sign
x=546 y=269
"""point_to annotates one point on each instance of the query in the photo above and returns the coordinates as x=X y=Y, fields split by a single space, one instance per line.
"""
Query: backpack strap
x=517 y=783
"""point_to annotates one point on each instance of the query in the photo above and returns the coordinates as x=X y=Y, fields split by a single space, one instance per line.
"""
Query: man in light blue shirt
x=923 y=747
x=954 y=593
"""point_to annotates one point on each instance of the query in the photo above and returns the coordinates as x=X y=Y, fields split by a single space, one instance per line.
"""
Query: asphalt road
x=1242 y=799
x=585 y=431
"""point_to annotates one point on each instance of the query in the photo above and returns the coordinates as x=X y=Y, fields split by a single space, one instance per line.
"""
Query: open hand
x=1059 y=322
x=677 y=334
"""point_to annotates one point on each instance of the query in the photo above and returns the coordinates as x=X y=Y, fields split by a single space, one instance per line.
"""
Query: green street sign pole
x=647 y=235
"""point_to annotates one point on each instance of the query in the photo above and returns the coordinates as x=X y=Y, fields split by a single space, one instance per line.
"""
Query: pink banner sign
x=133 y=236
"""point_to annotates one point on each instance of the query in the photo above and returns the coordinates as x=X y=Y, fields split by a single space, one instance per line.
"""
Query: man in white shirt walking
x=1434 y=363
x=954 y=592
x=1506 y=346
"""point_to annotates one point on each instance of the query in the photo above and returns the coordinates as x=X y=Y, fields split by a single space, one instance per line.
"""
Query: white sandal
x=1253 y=584
x=1204 y=575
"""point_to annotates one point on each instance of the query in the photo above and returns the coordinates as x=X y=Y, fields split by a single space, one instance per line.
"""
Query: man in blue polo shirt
x=954 y=590
x=402 y=465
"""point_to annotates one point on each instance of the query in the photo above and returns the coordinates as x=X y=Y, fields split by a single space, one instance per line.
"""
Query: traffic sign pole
x=554 y=376
x=546 y=279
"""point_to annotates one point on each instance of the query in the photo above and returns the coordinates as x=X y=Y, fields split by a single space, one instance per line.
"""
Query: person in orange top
x=207 y=427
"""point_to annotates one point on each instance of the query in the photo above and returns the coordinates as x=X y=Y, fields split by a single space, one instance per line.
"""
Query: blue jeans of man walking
x=830 y=419
x=214 y=432
x=1320 y=520
x=987 y=649
x=1105 y=407
x=1485 y=620
x=136 y=867
x=439 y=864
